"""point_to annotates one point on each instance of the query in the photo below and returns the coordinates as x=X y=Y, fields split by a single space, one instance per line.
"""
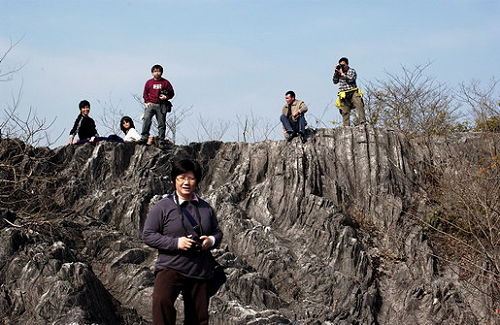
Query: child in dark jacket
x=84 y=125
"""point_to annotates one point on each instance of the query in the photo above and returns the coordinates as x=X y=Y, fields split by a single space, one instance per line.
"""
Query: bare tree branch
x=174 y=120
x=212 y=131
x=7 y=75
x=482 y=102
x=109 y=117
x=411 y=102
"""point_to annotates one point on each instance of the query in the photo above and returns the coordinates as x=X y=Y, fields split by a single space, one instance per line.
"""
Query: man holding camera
x=349 y=95
x=157 y=93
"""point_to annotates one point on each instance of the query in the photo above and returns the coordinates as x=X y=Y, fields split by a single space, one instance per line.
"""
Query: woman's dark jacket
x=164 y=225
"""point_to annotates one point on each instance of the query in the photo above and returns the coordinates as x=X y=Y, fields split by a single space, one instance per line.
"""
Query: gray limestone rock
x=317 y=233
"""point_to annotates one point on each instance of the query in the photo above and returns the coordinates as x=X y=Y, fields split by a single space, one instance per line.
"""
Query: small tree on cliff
x=411 y=102
x=463 y=218
x=254 y=128
x=24 y=167
x=482 y=103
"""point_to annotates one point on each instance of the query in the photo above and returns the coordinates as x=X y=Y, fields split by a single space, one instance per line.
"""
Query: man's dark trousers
x=160 y=111
x=294 y=126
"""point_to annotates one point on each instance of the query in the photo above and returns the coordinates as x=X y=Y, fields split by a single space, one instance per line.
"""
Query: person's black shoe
x=303 y=138
x=165 y=144
x=290 y=136
x=142 y=141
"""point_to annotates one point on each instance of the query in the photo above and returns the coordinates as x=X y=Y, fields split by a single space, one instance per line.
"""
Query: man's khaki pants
x=350 y=102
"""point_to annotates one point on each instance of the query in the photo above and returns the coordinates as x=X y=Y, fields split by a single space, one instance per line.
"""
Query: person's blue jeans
x=297 y=126
x=160 y=111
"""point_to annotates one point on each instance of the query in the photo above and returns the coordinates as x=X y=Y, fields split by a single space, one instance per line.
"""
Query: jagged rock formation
x=321 y=233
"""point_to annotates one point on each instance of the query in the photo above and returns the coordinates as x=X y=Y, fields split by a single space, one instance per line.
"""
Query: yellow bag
x=342 y=94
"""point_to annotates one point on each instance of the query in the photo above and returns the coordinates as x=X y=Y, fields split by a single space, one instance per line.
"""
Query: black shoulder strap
x=188 y=215
x=194 y=224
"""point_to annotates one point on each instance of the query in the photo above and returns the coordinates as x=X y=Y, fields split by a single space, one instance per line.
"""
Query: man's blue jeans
x=297 y=126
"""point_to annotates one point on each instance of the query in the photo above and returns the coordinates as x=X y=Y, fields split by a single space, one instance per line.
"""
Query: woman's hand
x=184 y=243
x=207 y=242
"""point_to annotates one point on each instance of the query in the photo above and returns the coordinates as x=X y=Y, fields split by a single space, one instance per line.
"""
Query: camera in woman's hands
x=196 y=246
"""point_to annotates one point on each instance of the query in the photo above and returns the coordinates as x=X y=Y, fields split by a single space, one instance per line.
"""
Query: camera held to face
x=338 y=67
x=196 y=247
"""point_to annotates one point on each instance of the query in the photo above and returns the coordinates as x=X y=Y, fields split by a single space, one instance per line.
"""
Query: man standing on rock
x=157 y=93
x=349 y=95
x=292 y=117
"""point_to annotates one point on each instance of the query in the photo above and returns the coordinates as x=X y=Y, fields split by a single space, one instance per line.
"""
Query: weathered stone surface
x=47 y=281
x=320 y=233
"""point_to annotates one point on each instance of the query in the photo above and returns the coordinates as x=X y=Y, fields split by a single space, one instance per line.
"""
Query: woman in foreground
x=183 y=227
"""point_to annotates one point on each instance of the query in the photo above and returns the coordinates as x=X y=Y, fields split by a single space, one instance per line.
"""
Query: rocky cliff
x=325 y=232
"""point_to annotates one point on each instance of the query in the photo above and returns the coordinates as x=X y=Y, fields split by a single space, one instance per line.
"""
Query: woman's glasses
x=182 y=178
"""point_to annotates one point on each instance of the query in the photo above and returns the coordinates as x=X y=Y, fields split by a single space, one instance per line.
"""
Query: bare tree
x=25 y=168
x=411 y=102
x=254 y=128
x=109 y=117
x=462 y=203
x=482 y=102
x=373 y=111
x=319 y=121
x=211 y=130
x=31 y=129
x=243 y=124
x=7 y=74
x=174 y=120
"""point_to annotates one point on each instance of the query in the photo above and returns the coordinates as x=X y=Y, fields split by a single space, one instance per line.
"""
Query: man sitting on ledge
x=292 y=117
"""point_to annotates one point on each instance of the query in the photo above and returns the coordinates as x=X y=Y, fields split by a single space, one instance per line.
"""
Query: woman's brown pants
x=168 y=285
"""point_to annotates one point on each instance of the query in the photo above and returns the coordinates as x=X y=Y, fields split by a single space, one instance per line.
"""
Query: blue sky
x=232 y=58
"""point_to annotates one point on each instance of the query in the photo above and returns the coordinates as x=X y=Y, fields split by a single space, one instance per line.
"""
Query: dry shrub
x=464 y=219
x=411 y=102
x=28 y=177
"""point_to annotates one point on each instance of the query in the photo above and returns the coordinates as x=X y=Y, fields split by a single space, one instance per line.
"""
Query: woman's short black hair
x=182 y=166
x=126 y=119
